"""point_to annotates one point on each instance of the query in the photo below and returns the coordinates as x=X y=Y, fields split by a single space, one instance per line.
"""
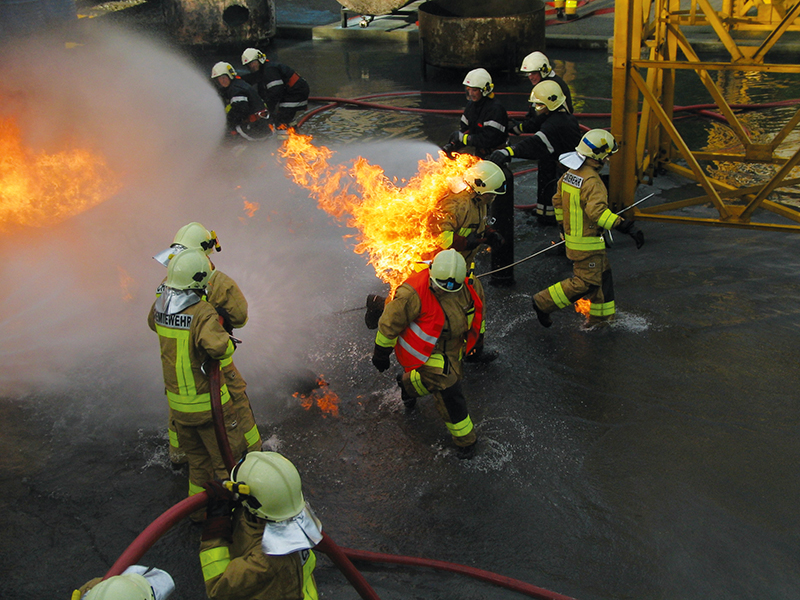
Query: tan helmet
x=275 y=490
x=485 y=177
x=549 y=93
x=194 y=236
x=597 y=144
x=223 y=68
x=448 y=271
x=130 y=586
x=536 y=62
x=252 y=54
x=189 y=270
x=479 y=78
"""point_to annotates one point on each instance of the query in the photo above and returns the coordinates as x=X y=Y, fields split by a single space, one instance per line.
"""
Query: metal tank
x=467 y=34
x=373 y=7
x=216 y=22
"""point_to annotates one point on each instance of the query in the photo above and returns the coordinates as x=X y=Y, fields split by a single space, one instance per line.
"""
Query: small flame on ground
x=583 y=306
x=396 y=226
x=39 y=189
x=326 y=400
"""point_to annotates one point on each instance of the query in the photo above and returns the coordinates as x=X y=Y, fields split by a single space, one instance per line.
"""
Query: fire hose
x=341 y=557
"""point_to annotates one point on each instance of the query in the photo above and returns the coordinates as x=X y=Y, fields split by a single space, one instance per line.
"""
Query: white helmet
x=252 y=54
x=131 y=586
x=536 y=62
x=223 y=68
x=189 y=270
x=597 y=144
x=449 y=270
x=479 y=78
x=485 y=177
x=549 y=93
x=275 y=490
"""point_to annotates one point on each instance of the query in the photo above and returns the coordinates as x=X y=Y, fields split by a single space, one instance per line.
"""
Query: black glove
x=457 y=139
x=516 y=129
x=380 y=357
x=473 y=240
x=448 y=150
x=218 y=512
x=628 y=227
x=500 y=157
x=494 y=238
x=375 y=306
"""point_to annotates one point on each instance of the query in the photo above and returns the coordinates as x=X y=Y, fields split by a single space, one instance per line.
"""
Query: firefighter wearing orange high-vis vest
x=190 y=335
x=581 y=206
x=434 y=319
x=227 y=298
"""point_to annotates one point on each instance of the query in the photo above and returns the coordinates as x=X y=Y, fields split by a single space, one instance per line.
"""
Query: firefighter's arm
x=595 y=196
x=151 y=320
x=226 y=296
x=239 y=578
x=210 y=335
x=557 y=206
x=398 y=314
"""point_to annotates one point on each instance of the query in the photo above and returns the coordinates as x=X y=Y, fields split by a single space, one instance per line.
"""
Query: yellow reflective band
x=559 y=212
x=607 y=219
x=309 y=586
x=483 y=326
x=195 y=489
x=435 y=361
x=214 y=561
x=173 y=438
x=606 y=309
x=510 y=149
x=460 y=429
x=446 y=239
x=229 y=350
x=226 y=362
x=579 y=242
x=416 y=382
x=252 y=436
x=385 y=342
x=183 y=360
x=558 y=295
x=464 y=139
x=196 y=403
x=465 y=231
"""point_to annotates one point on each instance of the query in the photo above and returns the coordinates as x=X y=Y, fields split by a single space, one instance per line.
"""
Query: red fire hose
x=218 y=418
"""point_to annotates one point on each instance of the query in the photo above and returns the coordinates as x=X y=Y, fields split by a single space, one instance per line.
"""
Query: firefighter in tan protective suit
x=135 y=583
x=229 y=301
x=190 y=335
x=258 y=534
x=581 y=206
x=433 y=321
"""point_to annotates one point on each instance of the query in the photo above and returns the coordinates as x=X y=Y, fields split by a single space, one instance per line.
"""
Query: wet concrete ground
x=653 y=459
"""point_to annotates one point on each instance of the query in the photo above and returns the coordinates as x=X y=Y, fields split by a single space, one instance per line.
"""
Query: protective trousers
x=436 y=378
x=502 y=211
x=199 y=442
x=591 y=278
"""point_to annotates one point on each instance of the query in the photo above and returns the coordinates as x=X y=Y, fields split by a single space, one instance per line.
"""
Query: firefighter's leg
x=586 y=276
x=559 y=6
x=571 y=10
x=200 y=467
x=603 y=308
x=547 y=184
x=431 y=377
x=237 y=388
x=176 y=455
x=452 y=406
x=502 y=211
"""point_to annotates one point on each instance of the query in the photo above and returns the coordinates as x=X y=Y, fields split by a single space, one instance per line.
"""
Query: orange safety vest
x=415 y=345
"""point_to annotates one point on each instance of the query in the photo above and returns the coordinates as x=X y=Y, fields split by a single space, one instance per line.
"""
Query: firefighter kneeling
x=432 y=322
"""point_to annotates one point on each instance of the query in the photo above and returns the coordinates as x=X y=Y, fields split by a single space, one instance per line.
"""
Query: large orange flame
x=326 y=400
x=583 y=305
x=38 y=189
x=396 y=225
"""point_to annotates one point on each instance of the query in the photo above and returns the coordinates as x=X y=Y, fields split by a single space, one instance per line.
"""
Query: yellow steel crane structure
x=651 y=45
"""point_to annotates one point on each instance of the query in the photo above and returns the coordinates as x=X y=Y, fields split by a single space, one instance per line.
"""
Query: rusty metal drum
x=214 y=22
x=373 y=7
x=493 y=34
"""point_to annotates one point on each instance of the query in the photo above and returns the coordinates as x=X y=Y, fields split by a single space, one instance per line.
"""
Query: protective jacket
x=239 y=570
x=486 y=124
x=528 y=124
x=242 y=103
x=581 y=206
x=188 y=339
x=463 y=213
x=281 y=89
x=417 y=322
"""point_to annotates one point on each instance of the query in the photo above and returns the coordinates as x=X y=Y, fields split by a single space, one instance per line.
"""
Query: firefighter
x=190 y=335
x=537 y=68
x=227 y=298
x=484 y=124
x=280 y=87
x=258 y=533
x=581 y=205
x=555 y=132
x=135 y=583
x=433 y=321
x=246 y=113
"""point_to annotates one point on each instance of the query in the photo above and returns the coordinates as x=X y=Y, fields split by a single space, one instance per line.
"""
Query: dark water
x=654 y=459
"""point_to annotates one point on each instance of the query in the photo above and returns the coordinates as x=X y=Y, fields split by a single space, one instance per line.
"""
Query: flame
x=326 y=400
x=37 y=188
x=251 y=207
x=396 y=226
x=582 y=306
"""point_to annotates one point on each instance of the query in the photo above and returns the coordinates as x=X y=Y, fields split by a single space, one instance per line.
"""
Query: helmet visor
x=449 y=285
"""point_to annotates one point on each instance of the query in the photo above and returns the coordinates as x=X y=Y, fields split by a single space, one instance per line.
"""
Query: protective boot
x=544 y=318
x=409 y=401
x=479 y=354
x=375 y=306
x=466 y=452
